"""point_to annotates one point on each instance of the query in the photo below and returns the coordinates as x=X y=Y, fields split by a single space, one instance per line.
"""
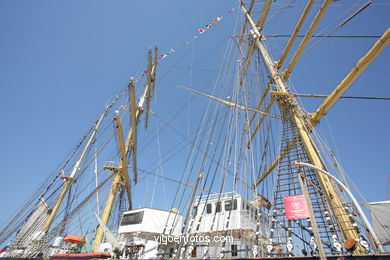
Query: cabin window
x=234 y=250
x=228 y=205
x=194 y=210
x=218 y=207
x=247 y=207
x=243 y=205
x=234 y=204
x=132 y=218
x=209 y=208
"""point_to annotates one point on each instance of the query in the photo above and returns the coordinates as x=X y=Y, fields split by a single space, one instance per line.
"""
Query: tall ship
x=217 y=163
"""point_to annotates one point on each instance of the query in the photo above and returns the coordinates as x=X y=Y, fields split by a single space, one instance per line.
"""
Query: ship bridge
x=226 y=212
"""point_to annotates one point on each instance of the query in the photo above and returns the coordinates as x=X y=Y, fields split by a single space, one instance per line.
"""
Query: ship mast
x=121 y=177
x=288 y=103
x=69 y=180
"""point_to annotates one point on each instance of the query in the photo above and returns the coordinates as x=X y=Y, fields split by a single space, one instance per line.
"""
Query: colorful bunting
x=139 y=78
x=200 y=31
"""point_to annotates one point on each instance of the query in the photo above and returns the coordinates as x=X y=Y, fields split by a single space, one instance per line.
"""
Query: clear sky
x=62 y=61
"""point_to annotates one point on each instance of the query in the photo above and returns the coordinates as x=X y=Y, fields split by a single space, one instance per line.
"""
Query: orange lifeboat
x=74 y=239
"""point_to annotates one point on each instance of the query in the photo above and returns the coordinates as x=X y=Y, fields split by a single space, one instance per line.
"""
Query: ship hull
x=351 y=257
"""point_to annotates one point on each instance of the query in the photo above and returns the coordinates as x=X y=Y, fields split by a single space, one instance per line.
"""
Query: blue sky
x=62 y=61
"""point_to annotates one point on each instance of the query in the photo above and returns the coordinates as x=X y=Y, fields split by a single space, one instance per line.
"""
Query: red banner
x=296 y=207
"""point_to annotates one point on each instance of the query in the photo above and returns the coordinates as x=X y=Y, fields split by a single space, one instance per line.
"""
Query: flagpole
x=313 y=221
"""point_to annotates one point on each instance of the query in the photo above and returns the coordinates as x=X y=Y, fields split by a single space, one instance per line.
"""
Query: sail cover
x=380 y=212
x=35 y=222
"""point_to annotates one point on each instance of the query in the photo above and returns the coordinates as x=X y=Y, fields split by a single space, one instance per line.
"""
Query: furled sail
x=380 y=212
x=34 y=223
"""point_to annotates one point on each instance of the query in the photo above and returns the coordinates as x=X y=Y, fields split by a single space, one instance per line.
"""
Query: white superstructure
x=142 y=227
x=226 y=225
x=229 y=217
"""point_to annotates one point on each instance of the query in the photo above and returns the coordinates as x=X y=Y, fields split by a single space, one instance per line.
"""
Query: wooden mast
x=306 y=39
x=121 y=177
x=335 y=202
x=69 y=180
x=360 y=66
x=294 y=35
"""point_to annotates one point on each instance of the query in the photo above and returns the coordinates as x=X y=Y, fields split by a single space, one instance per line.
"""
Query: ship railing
x=216 y=196
x=247 y=222
x=250 y=222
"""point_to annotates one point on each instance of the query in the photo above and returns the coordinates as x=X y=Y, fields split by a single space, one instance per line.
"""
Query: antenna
x=388 y=186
